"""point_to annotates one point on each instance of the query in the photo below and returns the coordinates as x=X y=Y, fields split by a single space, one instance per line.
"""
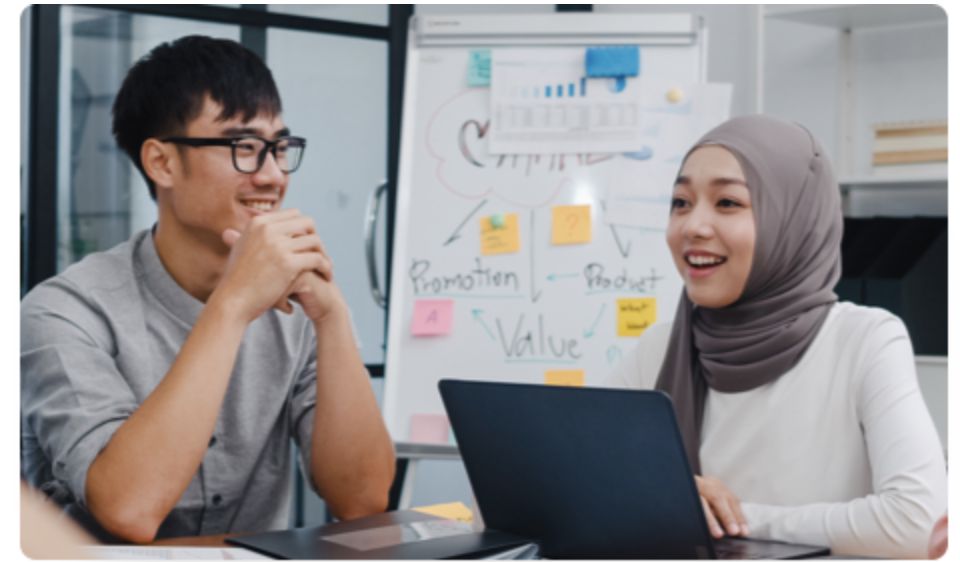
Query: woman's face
x=711 y=232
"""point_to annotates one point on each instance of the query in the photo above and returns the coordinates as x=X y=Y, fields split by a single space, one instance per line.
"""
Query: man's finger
x=312 y=261
x=326 y=270
x=297 y=225
x=307 y=243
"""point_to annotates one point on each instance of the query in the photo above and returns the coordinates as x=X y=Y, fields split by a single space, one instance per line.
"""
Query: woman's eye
x=678 y=203
x=728 y=203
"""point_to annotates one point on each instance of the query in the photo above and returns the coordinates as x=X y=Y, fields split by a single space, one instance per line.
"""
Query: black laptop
x=588 y=472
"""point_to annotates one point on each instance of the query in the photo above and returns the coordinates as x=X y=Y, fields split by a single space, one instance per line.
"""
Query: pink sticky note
x=432 y=317
x=429 y=428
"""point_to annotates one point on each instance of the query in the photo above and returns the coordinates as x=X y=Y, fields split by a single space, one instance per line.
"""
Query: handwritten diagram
x=527 y=267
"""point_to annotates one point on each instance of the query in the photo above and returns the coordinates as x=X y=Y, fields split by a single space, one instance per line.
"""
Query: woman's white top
x=839 y=451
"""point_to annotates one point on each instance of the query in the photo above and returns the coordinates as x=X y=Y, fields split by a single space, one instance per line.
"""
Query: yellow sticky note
x=571 y=224
x=454 y=510
x=570 y=377
x=503 y=239
x=635 y=315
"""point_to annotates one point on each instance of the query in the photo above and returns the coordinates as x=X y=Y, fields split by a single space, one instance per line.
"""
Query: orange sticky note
x=429 y=428
x=635 y=315
x=571 y=224
x=499 y=239
x=454 y=510
x=569 y=377
x=432 y=317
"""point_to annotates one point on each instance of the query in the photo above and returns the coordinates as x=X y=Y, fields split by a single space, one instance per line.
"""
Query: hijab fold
x=789 y=290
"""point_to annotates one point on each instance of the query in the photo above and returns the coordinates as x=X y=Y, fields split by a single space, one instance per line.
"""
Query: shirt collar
x=161 y=284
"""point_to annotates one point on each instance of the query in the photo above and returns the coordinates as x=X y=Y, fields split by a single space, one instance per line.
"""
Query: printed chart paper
x=543 y=103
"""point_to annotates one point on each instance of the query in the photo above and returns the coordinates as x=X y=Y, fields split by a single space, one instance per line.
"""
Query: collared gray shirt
x=98 y=338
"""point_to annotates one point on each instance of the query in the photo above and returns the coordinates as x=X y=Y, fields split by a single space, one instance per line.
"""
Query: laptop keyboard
x=747 y=549
x=736 y=550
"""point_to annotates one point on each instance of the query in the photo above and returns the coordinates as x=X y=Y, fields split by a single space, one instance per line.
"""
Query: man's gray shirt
x=98 y=338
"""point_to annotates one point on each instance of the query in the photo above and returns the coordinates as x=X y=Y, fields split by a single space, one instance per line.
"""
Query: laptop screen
x=589 y=472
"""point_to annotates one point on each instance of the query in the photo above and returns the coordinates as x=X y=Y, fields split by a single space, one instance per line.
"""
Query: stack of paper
x=454 y=510
x=170 y=553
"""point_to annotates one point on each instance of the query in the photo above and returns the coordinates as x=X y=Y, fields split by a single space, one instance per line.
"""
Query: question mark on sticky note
x=571 y=224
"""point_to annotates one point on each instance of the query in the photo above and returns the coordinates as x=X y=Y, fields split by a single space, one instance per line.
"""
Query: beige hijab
x=789 y=290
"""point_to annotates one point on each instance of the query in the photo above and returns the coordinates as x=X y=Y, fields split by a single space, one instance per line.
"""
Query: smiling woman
x=801 y=415
x=711 y=232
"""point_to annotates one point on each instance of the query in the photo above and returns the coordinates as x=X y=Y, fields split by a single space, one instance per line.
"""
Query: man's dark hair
x=165 y=90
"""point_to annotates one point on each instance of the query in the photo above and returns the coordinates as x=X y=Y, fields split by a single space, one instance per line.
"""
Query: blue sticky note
x=609 y=62
x=478 y=69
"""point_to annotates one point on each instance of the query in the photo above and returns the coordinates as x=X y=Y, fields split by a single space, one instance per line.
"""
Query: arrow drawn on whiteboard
x=624 y=251
x=456 y=233
x=534 y=293
x=589 y=333
x=478 y=316
x=557 y=276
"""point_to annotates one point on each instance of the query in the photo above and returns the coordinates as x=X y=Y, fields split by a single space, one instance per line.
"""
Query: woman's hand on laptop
x=721 y=507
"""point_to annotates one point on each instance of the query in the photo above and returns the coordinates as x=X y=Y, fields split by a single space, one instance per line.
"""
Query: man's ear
x=159 y=161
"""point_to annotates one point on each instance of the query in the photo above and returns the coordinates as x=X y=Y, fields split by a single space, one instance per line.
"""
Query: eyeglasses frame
x=268 y=146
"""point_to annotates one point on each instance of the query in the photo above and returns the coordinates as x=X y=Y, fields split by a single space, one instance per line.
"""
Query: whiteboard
x=546 y=307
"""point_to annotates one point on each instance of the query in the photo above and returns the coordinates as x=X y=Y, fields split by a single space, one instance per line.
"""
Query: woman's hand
x=721 y=507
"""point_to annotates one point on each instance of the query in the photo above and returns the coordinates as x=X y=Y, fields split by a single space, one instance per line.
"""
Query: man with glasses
x=164 y=380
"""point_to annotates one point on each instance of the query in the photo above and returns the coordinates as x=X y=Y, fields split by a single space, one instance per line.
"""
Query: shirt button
x=217 y=499
x=213 y=441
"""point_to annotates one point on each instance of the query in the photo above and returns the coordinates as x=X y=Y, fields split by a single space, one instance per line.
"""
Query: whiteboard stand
x=410 y=455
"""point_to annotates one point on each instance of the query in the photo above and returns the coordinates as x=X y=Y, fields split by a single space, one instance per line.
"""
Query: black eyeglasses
x=250 y=152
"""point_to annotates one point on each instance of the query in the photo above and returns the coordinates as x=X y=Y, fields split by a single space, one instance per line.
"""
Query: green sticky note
x=478 y=69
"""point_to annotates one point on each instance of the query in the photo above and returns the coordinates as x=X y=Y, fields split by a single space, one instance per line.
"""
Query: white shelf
x=858 y=16
x=893 y=182
x=908 y=196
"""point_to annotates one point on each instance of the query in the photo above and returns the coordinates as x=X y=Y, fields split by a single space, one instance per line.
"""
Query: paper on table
x=453 y=510
x=170 y=553
x=542 y=103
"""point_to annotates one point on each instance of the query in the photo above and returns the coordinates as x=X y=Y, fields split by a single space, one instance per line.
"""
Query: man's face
x=208 y=194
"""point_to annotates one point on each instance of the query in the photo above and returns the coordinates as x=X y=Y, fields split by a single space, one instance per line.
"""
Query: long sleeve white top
x=839 y=451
